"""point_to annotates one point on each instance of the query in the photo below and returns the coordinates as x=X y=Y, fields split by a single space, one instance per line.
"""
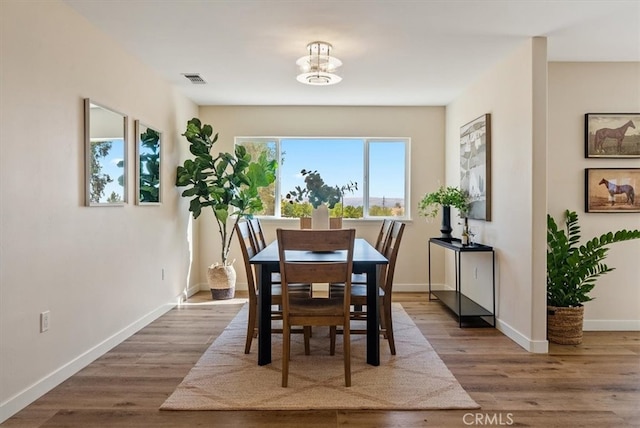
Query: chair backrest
x=248 y=248
x=383 y=235
x=294 y=270
x=391 y=253
x=258 y=233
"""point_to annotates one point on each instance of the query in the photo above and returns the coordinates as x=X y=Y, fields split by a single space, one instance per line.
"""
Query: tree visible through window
x=377 y=167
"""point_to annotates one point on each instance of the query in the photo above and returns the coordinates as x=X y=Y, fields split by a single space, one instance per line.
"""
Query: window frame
x=367 y=141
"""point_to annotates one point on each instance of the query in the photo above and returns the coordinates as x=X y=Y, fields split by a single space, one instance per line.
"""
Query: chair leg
x=332 y=340
x=389 y=326
x=286 y=345
x=307 y=335
x=251 y=328
x=346 y=344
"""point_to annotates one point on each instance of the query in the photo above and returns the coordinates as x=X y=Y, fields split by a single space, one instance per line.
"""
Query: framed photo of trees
x=105 y=139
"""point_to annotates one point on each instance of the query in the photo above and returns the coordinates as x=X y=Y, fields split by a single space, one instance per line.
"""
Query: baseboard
x=195 y=289
x=21 y=400
x=611 y=325
x=413 y=288
x=535 y=346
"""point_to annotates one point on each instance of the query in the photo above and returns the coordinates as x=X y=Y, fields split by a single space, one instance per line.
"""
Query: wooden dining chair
x=261 y=243
x=248 y=249
x=381 y=245
x=383 y=235
x=307 y=311
x=385 y=290
x=258 y=233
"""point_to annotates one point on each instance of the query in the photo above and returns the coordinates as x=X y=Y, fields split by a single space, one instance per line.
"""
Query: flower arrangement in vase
x=321 y=196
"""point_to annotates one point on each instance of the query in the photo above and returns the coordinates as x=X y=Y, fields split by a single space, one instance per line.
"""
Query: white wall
x=514 y=93
x=97 y=270
x=425 y=127
x=576 y=89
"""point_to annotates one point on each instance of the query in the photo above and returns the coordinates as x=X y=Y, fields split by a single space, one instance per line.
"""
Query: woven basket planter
x=564 y=324
x=222 y=281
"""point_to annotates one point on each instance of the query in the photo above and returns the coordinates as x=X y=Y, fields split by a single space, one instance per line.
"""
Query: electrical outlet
x=475 y=272
x=44 y=321
x=163 y=274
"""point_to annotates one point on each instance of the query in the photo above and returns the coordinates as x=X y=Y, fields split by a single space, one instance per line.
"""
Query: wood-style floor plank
x=596 y=384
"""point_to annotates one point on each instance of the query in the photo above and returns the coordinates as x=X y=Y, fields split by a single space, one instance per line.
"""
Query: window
x=371 y=172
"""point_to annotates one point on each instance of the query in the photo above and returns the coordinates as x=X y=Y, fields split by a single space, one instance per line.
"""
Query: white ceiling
x=394 y=52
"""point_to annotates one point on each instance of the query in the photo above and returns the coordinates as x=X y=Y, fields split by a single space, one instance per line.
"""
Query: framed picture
x=612 y=190
x=475 y=166
x=105 y=139
x=148 y=171
x=612 y=135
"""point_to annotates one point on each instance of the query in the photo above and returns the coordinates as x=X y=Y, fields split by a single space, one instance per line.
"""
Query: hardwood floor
x=596 y=384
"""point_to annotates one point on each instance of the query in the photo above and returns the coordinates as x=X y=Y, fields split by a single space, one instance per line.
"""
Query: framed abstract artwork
x=612 y=135
x=475 y=166
x=611 y=190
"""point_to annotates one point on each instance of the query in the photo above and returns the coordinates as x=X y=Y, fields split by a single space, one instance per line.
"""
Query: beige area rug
x=226 y=379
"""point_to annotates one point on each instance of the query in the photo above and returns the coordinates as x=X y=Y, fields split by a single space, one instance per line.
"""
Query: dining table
x=366 y=259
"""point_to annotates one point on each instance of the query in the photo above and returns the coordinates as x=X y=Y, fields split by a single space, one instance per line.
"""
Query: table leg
x=373 y=334
x=264 y=315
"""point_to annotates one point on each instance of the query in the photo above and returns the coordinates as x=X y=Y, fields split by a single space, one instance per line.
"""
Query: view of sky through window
x=340 y=162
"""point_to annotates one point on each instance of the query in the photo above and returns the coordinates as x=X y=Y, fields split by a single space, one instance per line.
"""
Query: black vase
x=445 y=227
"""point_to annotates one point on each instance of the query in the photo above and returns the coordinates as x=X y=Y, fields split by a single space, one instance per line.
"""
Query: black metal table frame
x=456 y=245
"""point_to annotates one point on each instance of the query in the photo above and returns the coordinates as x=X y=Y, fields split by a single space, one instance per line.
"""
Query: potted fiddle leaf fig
x=572 y=271
x=445 y=197
x=228 y=184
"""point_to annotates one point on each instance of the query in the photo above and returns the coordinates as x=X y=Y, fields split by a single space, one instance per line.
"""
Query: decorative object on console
x=465 y=232
x=572 y=270
x=445 y=197
x=611 y=190
x=229 y=185
x=318 y=67
x=475 y=166
x=612 y=135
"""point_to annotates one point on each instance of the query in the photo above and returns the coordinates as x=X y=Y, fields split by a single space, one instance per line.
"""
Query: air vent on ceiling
x=195 y=78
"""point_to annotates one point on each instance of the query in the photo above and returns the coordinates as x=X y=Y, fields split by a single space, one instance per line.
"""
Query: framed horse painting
x=612 y=190
x=612 y=135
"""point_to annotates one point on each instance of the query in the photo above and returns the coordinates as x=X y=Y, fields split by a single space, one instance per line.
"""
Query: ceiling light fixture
x=318 y=67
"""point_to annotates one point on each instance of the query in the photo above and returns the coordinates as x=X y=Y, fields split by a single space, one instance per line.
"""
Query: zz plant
x=226 y=183
x=572 y=268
